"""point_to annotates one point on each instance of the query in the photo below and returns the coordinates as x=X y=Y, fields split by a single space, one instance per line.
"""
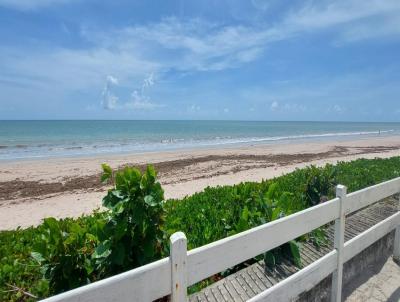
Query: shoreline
x=296 y=139
x=70 y=187
x=293 y=139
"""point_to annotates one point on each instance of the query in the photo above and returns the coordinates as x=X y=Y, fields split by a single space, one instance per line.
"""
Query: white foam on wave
x=96 y=148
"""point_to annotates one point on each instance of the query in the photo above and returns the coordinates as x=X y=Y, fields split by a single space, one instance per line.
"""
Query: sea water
x=42 y=139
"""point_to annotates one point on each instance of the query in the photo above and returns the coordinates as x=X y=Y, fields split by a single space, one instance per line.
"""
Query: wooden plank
x=301 y=281
x=244 y=285
x=289 y=266
x=222 y=289
x=204 y=261
x=217 y=294
x=256 y=278
x=231 y=290
x=146 y=283
x=365 y=239
x=356 y=226
x=196 y=297
x=365 y=197
x=238 y=289
x=209 y=295
x=259 y=271
x=311 y=249
x=305 y=257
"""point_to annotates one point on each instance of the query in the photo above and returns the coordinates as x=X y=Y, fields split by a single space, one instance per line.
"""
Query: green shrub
x=132 y=235
x=18 y=270
x=64 y=252
x=137 y=226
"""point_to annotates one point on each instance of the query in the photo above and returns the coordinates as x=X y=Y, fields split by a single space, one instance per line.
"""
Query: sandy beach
x=70 y=187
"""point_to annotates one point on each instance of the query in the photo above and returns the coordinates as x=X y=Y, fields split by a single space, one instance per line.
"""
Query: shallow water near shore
x=42 y=139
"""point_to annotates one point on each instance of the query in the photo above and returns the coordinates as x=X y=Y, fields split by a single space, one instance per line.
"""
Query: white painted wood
x=359 y=243
x=365 y=197
x=338 y=244
x=311 y=275
x=178 y=247
x=217 y=256
x=145 y=283
x=396 y=244
x=301 y=281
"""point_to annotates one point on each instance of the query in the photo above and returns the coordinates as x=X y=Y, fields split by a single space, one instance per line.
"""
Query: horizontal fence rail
x=312 y=274
x=146 y=283
x=183 y=268
x=243 y=246
x=365 y=197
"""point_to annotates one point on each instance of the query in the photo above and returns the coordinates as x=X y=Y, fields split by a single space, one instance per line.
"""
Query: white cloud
x=193 y=44
x=371 y=30
x=226 y=110
x=141 y=102
x=148 y=81
x=193 y=108
x=199 y=45
x=337 y=108
x=138 y=99
x=112 y=80
x=187 y=46
x=322 y=14
x=109 y=100
x=353 y=19
x=142 y=105
x=274 y=105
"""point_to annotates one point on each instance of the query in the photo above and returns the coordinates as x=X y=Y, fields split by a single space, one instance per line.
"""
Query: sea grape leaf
x=269 y=259
x=38 y=257
x=102 y=250
x=295 y=250
x=149 y=200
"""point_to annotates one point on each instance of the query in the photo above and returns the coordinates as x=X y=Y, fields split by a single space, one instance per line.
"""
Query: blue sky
x=246 y=60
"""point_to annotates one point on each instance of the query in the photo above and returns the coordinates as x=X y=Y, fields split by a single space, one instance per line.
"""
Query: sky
x=335 y=60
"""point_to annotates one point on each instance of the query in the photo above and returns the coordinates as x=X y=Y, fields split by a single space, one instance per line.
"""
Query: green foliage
x=64 y=250
x=132 y=235
x=62 y=254
x=17 y=268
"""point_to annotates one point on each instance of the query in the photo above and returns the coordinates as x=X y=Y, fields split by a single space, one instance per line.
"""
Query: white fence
x=172 y=275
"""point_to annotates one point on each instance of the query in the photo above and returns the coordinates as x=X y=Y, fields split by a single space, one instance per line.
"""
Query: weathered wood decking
x=253 y=280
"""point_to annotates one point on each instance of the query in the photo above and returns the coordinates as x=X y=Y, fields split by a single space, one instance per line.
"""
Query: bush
x=132 y=235
x=62 y=254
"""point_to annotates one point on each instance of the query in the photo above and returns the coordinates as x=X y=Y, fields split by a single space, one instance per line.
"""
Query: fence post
x=396 y=244
x=337 y=275
x=178 y=253
x=396 y=248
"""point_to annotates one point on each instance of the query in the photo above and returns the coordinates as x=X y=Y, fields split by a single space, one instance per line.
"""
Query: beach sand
x=70 y=187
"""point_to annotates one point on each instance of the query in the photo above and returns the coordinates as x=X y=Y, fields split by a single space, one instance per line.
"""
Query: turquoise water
x=38 y=139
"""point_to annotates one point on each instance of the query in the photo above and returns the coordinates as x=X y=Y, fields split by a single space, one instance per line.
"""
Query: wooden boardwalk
x=253 y=280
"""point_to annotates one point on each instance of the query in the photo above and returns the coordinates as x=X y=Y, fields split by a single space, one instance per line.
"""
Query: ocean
x=44 y=139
